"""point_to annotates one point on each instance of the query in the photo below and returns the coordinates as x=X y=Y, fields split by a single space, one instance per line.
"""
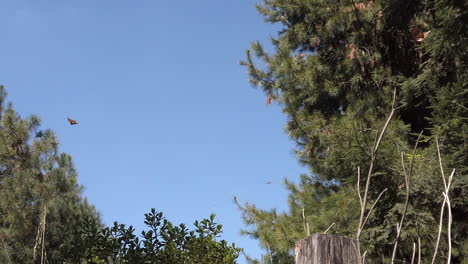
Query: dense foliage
x=334 y=69
x=163 y=243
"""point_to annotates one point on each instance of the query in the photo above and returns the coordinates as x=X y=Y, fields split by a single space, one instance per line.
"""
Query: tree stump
x=327 y=249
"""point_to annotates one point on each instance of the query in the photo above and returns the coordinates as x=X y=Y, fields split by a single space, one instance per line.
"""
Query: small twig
x=440 y=163
x=414 y=253
x=363 y=259
x=271 y=256
x=358 y=184
x=449 y=224
x=419 y=249
x=306 y=230
x=372 y=207
x=328 y=228
x=43 y=253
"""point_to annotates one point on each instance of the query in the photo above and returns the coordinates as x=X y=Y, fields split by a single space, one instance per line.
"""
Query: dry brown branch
x=407 y=183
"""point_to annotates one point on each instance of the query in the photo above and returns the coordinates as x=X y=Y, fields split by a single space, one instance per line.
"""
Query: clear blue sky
x=167 y=117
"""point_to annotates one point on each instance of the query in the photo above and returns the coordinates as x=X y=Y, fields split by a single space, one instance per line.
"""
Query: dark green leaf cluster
x=161 y=243
x=334 y=69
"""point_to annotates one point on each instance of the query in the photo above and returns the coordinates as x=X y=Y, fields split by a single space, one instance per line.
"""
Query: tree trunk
x=327 y=249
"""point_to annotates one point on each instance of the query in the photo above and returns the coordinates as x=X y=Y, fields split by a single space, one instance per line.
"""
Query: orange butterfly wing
x=268 y=101
x=72 y=122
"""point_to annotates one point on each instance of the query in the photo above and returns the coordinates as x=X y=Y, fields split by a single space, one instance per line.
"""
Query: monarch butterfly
x=268 y=101
x=72 y=122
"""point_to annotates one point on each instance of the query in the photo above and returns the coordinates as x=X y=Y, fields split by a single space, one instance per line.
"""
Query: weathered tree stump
x=327 y=249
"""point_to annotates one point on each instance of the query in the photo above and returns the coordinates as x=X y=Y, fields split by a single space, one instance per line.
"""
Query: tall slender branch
x=446 y=201
x=371 y=167
x=449 y=224
x=407 y=183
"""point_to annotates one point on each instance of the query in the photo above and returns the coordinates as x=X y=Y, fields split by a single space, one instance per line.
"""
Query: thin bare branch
x=358 y=184
x=444 y=203
x=441 y=221
x=363 y=259
x=414 y=253
x=407 y=183
x=449 y=224
x=304 y=220
x=419 y=249
x=371 y=167
x=440 y=163
x=373 y=205
x=329 y=228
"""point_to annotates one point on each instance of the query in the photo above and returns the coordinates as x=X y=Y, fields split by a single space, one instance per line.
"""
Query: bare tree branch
x=329 y=228
x=304 y=220
x=440 y=163
x=358 y=184
x=414 y=253
x=363 y=259
x=407 y=183
x=449 y=224
x=373 y=205
x=446 y=201
x=371 y=167
x=419 y=249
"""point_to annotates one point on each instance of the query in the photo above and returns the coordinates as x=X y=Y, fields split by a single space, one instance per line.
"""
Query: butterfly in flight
x=268 y=101
x=72 y=122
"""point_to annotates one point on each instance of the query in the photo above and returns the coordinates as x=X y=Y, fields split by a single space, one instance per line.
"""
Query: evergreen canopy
x=334 y=69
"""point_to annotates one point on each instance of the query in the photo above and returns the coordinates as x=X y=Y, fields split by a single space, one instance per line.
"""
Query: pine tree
x=334 y=70
x=41 y=204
